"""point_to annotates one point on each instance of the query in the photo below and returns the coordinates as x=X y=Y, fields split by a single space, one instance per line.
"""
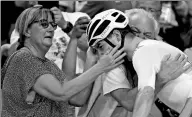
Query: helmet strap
x=112 y=45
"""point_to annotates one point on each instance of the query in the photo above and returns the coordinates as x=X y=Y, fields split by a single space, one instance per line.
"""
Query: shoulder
x=117 y=74
x=25 y=58
x=147 y=55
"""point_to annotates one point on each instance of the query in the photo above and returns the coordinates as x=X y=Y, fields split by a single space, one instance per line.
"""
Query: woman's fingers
x=114 y=50
x=119 y=52
x=119 y=57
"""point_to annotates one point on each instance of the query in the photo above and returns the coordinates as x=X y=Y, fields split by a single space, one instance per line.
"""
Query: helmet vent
x=114 y=14
x=120 y=19
x=93 y=26
x=102 y=27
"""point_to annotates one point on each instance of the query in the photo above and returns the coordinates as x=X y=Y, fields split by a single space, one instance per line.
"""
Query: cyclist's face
x=102 y=47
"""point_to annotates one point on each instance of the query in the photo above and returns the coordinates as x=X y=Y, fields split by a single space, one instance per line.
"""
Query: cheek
x=104 y=50
x=36 y=32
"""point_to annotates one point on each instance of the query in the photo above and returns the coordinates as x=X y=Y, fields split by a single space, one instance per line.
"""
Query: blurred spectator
x=183 y=16
x=49 y=4
x=67 y=6
x=8 y=21
x=179 y=36
x=79 y=5
x=143 y=23
x=153 y=7
x=167 y=18
x=94 y=7
x=188 y=51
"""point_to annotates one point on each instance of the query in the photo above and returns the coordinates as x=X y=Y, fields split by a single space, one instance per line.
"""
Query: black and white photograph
x=96 y=58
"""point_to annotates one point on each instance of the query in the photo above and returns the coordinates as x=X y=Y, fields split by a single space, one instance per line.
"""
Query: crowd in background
x=174 y=18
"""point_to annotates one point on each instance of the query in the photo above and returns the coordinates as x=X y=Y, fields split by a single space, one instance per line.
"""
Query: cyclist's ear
x=118 y=36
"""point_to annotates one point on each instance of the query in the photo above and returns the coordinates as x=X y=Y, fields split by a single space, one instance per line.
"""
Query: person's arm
x=171 y=69
x=146 y=69
x=69 y=60
x=125 y=97
x=82 y=97
x=51 y=88
x=187 y=111
x=48 y=86
x=144 y=101
x=116 y=84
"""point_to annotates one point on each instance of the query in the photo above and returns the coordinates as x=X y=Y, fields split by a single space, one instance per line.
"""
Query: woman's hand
x=172 y=69
x=112 y=59
x=79 y=27
x=59 y=19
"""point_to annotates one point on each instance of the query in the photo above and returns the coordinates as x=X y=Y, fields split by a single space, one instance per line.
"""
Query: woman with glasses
x=28 y=70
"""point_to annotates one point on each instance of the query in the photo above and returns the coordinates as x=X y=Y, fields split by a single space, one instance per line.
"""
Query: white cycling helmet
x=103 y=23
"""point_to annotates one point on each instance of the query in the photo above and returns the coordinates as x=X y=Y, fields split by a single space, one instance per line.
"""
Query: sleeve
x=115 y=79
x=29 y=70
x=146 y=62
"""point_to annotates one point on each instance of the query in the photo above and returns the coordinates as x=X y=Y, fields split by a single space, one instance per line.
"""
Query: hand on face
x=59 y=19
x=92 y=56
x=80 y=27
x=172 y=69
x=112 y=59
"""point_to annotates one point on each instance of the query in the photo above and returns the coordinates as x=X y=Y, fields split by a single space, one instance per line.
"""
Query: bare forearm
x=125 y=97
x=82 y=97
x=69 y=60
x=187 y=111
x=143 y=102
x=76 y=85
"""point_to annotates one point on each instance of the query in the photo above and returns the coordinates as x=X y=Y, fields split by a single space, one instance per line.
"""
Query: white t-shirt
x=106 y=105
x=147 y=61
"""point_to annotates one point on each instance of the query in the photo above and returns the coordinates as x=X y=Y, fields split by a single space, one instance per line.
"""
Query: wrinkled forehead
x=149 y=4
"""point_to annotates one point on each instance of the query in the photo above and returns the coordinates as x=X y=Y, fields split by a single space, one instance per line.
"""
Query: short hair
x=27 y=17
x=148 y=14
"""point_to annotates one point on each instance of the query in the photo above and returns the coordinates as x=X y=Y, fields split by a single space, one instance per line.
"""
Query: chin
x=47 y=45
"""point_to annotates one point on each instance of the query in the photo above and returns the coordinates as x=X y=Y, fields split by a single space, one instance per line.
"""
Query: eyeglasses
x=45 y=24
